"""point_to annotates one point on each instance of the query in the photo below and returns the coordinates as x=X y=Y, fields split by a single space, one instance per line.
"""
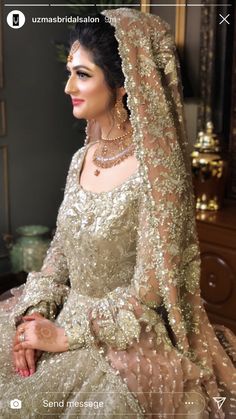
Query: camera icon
x=15 y=404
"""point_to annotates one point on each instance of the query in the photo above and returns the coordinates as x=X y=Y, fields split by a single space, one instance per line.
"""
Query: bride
x=113 y=325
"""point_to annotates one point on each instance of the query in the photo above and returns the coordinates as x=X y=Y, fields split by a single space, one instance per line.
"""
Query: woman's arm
x=46 y=291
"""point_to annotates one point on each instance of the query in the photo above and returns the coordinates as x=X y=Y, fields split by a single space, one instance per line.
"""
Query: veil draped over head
x=153 y=84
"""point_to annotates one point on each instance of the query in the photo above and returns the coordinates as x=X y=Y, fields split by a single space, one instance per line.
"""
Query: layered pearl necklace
x=111 y=152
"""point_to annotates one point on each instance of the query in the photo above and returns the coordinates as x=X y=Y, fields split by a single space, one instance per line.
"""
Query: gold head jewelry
x=75 y=46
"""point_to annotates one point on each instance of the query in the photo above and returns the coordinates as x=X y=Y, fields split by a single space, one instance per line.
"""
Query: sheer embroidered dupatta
x=172 y=263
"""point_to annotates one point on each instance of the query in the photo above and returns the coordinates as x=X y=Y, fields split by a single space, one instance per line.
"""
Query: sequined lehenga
x=95 y=246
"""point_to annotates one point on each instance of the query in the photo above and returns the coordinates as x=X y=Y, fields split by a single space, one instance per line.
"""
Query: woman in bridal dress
x=113 y=325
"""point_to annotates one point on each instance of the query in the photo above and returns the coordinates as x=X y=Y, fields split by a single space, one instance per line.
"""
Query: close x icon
x=224 y=19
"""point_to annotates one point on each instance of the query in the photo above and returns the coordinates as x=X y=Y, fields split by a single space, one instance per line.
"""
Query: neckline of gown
x=111 y=191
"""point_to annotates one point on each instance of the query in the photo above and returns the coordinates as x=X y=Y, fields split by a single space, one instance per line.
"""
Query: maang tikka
x=75 y=46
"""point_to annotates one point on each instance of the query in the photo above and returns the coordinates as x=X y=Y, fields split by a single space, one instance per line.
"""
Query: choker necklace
x=111 y=152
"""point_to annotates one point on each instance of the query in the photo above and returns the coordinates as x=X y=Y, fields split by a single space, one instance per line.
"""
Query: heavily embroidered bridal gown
x=95 y=247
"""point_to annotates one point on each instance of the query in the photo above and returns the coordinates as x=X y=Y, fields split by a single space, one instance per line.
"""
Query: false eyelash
x=82 y=73
x=68 y=73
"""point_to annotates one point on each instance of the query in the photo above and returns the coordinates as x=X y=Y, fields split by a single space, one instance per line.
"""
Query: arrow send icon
x=220 y=401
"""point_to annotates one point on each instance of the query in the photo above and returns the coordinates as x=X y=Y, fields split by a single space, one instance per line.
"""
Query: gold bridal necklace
x=111 y=152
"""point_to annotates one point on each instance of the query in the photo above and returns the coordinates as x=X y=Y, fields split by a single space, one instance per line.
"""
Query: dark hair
x=99 y=39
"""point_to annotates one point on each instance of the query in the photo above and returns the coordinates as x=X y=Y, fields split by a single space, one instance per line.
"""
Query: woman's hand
x=24 y=361
x=41 y=334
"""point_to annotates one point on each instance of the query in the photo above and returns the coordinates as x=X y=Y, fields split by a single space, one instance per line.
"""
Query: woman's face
x=87 y=83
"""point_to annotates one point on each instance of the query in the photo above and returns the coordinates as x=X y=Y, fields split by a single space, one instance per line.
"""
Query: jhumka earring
x=121 y=114
x=75 y=46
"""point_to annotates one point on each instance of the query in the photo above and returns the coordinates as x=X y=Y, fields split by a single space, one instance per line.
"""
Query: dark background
x=41 y=134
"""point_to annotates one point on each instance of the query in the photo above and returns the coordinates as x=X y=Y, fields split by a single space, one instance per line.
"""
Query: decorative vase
x=29 y=250
x=209 y=170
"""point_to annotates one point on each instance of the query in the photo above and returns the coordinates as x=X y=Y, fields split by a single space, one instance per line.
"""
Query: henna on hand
x=44 y=334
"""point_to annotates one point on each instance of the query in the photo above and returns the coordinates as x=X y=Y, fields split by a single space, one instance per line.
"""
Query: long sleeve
x=47 y=290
